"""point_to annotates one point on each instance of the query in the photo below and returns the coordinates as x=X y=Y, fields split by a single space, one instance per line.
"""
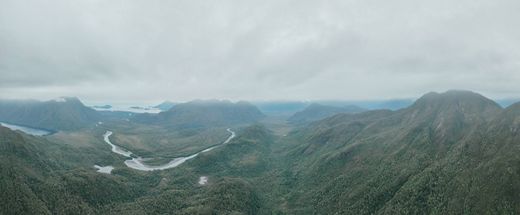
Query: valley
x=425 y=158
x=139 y=163
x=266 y=107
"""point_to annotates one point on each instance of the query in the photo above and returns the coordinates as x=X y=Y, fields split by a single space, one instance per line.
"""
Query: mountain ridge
x=316 y=111
x=203 y=113
x=66 y=113
x=386 y=162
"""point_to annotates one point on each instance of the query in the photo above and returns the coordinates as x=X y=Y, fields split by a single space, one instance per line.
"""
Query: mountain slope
x=34 y=180
x=199 y=113
x=25 y=184
x=395 y=162
x=449 y=153
x=316 y=112
x=62 y=114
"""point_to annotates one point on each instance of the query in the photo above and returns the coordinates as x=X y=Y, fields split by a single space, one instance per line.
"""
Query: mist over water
x=27 y=130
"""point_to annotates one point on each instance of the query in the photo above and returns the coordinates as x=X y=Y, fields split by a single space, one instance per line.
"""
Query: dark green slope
x=34 y=181
x=448 y=153
x=246 y=155
x=198 y=114
x=239 y=181
x=68 y=114
x=24 y=180
x=237 y=174
x=37 y=180
x=316 y=112
x=428 y=158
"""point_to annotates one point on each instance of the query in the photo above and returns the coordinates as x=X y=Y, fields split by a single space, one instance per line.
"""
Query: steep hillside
x=432 y=157
x=61 y=114
x=35 y=180
x=24 y=171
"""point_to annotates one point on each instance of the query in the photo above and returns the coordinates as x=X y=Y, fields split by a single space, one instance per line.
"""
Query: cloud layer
x=130 y=50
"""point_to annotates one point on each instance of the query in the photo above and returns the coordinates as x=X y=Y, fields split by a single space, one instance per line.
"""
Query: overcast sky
x=148 y=51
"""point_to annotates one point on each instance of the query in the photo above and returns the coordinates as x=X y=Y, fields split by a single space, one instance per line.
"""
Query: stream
x=138 y=162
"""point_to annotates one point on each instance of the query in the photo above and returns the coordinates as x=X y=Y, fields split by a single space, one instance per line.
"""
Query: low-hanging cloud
x=130 y=50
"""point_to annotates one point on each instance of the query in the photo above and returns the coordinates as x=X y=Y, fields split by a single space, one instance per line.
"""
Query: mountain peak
x=65 y=99
x=451 y=110
x=455 y=98
x=64 y=113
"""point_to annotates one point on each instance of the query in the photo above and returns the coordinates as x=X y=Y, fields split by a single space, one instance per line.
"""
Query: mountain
x=201 y=113
x=23 y=174
x=35 y=180
x=281 y=107
x=166 y=105
x=36 y=177
x=288 y=108
x=455 y=152
x=317 y=111
x=60 y=114
x=448 y=153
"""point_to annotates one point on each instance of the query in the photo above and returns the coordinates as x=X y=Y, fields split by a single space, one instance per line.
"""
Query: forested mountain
x=203 y=113
x=34 y=181
x=60 y=114
x=448 y=153
x=317 y=111
x=25 y=180
x=38 y=178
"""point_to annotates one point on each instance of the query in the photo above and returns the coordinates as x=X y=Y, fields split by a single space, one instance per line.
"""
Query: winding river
x=138 y=163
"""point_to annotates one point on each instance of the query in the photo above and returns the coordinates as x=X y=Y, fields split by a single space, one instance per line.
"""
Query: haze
x=145 y=51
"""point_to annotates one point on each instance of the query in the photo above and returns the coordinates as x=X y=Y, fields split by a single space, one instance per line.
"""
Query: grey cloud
x=182 y=50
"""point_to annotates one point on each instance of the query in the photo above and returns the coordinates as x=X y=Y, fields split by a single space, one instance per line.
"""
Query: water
x=27 y=130
x=115 y=149
x=138 y=163
x=129 y=108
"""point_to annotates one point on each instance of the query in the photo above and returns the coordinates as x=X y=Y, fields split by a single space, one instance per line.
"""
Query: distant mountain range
x=203 y=113
x=291 y=107
x=507 y=102
x=317 y=111
x=166 y=105
x=60 y=114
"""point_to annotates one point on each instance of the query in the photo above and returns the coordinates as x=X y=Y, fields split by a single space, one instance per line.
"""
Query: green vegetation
x=203 y=114
x=158 y=141
x=66 y=114
x=450 y=153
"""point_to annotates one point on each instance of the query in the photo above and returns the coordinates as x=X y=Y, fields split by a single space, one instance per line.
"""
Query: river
x=138 y=162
